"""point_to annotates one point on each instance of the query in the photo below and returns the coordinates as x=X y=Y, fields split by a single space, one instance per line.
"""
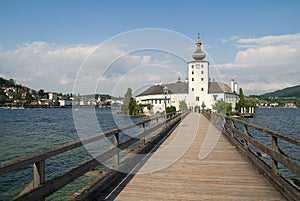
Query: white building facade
x=197 y=91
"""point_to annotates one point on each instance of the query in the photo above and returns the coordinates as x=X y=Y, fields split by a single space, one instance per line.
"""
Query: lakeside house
x=196 y=91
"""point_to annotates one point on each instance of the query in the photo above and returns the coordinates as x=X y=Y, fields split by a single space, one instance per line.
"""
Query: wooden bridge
x=184 y=158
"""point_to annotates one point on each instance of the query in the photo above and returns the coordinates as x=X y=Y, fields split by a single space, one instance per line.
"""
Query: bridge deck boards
x=223 y=175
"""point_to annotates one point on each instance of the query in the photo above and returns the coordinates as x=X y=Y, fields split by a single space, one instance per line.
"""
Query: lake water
x=285 y=121
x=26 y=131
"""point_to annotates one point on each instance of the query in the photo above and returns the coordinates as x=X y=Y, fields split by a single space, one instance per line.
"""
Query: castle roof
x=182 y=88
x=173 y=88
x=218 y=87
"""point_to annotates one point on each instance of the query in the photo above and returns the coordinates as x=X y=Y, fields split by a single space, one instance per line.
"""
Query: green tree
x=245 y=102
x=41 y=93
x=182 y=105
x=171 y=109
x=127 y=102
x=241 y=102
x=223 y=107
x=3 y=97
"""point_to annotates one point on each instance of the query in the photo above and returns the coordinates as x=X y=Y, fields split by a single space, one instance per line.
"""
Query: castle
x=197 y=91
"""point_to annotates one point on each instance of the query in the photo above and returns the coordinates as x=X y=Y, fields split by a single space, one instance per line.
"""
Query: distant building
x=290 y=105
x=63 y=103
x=274 y=104
x=197 y=91
x=52 y=96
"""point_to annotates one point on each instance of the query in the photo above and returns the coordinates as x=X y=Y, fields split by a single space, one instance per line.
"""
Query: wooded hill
x=286 y=92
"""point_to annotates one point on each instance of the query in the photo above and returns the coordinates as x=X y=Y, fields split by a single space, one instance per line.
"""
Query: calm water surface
x=283 y=120
x=29 y=130
x=25 y=131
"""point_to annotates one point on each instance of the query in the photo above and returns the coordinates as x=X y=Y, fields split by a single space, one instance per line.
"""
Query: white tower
x=198 y=75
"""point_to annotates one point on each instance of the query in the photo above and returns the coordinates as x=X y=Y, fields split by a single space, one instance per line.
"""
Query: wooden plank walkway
x=223 y=174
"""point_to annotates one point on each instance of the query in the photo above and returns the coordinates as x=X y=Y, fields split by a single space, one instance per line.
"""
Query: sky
x=106 y=46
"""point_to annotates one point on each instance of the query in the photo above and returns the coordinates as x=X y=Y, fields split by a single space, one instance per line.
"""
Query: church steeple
x=198 y=54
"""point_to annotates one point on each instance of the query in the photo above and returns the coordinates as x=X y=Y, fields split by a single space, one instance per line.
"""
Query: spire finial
x=198 y=54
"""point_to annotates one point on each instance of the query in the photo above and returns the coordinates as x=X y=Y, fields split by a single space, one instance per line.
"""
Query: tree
x=3 y=97
x=170 y=109
x=41 y=92
x=223 y=107
x=241 y=102
x=125 y=108
x=245 y=102
x=182 y=105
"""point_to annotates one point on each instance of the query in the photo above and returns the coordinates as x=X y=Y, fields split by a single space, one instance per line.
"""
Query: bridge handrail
x=287 y=138
x=232 y=127
x=42 y=188
x=274 y=151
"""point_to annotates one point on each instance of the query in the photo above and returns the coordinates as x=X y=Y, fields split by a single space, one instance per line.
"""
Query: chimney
x=235 y=87
x=232 y=85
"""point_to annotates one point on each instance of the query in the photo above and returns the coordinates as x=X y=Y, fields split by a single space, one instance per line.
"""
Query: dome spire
x=198 y=54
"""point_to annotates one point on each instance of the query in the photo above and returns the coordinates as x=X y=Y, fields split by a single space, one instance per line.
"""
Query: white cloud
x=265 y=64
x=268 y=40
x=262 y=87
x=43 y=65
x=232 y=38
x=87 y=67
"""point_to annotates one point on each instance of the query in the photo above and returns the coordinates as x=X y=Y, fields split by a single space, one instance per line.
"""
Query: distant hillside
x=286 y=92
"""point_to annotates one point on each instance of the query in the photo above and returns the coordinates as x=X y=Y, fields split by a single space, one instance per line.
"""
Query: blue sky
x=226 y=29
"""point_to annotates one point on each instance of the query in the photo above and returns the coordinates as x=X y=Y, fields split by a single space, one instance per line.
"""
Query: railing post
x=116 y=143
x=143 y=141
x=39 y=174
x=246 y=133
x=275 y=148
x=233 y=126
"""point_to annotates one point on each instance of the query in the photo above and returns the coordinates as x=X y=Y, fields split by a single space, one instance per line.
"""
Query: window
x=202 y=89
x=192 y=72
x=215 y=97
x=201 y=65
x=155 y=101
x=192 y=89
x=197 y=66
x=202 y=72
x=192 y=66
x=192 y=79
x=202 y=79
x=159 y=101
x=197 y=98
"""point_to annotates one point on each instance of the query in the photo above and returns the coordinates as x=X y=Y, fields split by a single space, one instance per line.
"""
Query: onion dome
x=198 y=54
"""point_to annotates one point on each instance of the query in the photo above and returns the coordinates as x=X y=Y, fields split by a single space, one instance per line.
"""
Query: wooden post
x=233 y=126
x=246 y=133
x=143 y=142
x=116 y=143
x=275 y=148
x=39 y=174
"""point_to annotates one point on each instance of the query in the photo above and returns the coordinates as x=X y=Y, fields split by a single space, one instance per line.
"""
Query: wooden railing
x=238 y=132
x=40 y=188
